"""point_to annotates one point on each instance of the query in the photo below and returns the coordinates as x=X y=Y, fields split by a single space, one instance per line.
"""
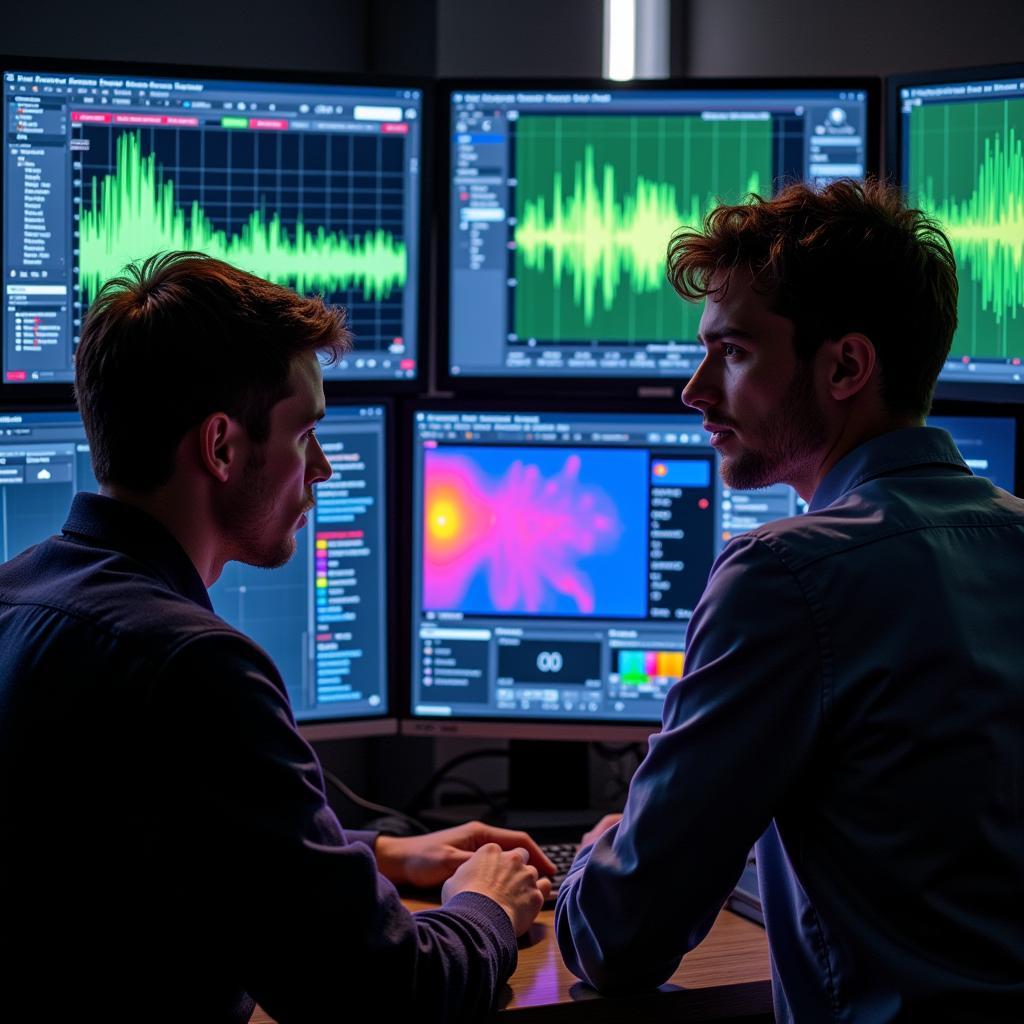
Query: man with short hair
x=853 y=697
x=169 y=853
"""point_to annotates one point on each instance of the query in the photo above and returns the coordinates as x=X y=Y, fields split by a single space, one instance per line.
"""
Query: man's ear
x=219 y=445
x=851 y=362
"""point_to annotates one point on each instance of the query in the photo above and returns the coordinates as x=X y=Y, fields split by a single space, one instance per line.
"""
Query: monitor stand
x=549 y=793
x=549 y=789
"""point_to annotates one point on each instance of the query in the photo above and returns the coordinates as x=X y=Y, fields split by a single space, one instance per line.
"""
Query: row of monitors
x=549 y=559
x=554 y=203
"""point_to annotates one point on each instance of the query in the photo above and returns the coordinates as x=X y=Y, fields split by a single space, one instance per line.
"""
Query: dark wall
x=312 y=35
x=413 y=37
x=524 y=37
x=875 y=37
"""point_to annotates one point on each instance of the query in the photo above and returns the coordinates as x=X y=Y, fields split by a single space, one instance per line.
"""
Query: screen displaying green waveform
x=597 y=200
x=966 y=169
x=133 y=212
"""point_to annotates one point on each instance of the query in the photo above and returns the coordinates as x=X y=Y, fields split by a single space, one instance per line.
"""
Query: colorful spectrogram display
x=597 y=200
x=511 y=530
x=639 y=667
x=966 y=169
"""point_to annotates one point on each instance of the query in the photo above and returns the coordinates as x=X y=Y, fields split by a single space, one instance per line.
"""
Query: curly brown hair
x=181 y=336
x=851 y=257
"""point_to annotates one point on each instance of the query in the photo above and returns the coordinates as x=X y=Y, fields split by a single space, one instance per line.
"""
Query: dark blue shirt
x=854 y=696
x=168 y=852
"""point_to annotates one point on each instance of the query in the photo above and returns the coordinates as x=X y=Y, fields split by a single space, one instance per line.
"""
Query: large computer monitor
x=559 y=199
x=323 y=617
x=557 y=556
x=955 y=143
x=310 y=182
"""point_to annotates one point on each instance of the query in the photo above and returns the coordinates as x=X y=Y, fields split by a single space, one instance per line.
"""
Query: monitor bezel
x=61 y=393
x=385 y=723
x=958 y=391
x=510 y=727
x=565 y=385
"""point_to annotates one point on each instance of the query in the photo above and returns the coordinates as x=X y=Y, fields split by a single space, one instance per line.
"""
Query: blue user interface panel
x=958 y=154
x=563 y=201
x=313 y=186
x=558 y=556
x=322 y=617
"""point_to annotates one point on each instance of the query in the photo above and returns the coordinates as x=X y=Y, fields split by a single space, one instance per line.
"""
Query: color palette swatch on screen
x=637 y=668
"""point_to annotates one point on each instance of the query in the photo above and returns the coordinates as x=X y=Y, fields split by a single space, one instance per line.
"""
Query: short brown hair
x=177 y=338
x=849 y=258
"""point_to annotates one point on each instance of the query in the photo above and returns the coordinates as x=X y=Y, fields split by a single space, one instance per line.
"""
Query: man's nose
x=321 y=466
x=700 y=391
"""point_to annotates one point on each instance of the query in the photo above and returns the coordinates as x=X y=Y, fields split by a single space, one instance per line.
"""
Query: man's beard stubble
x=247 y=517
x=789 y=436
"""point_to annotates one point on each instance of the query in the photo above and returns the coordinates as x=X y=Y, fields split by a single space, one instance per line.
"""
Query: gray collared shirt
x=854 y=696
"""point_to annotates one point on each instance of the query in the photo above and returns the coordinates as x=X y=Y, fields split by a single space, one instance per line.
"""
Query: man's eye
x=310 y=434
x=731 y=350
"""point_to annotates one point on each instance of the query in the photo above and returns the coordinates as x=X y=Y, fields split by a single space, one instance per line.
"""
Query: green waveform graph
x=966 y=169
x=134 y=212
x=598 y=199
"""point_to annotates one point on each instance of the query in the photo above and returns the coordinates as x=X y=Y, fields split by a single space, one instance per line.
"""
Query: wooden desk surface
x=726 y=976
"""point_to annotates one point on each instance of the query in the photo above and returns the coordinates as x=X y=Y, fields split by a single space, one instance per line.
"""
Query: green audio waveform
x=597 y=200
x=966 y=169
x=134 y=213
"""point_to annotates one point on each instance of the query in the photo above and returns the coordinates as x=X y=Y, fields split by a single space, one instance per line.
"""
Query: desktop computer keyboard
x=561 y=855
x=745 y=899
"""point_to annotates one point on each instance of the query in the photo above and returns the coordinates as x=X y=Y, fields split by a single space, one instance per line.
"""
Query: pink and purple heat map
x=529 y=536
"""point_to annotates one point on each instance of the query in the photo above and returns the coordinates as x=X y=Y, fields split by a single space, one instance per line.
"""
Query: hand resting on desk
x=507 y=878
x=474 y=857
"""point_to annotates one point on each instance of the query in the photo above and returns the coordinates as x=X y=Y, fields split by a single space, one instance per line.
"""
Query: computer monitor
x=557 y=557
x=558 y=554
x=954 y=143
x=323 y=617
x=314 y=183
x=988 y=444
x=559 y=200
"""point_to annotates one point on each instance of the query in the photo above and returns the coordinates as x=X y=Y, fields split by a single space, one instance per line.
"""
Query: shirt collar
x=911 y=447
x=123 y=527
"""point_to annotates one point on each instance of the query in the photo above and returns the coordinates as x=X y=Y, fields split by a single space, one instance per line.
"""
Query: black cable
x=422 y=798
x=369 y=805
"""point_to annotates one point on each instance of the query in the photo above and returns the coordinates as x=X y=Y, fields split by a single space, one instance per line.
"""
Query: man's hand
x=600 y=828
x=429 y=860
x=507 y=878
